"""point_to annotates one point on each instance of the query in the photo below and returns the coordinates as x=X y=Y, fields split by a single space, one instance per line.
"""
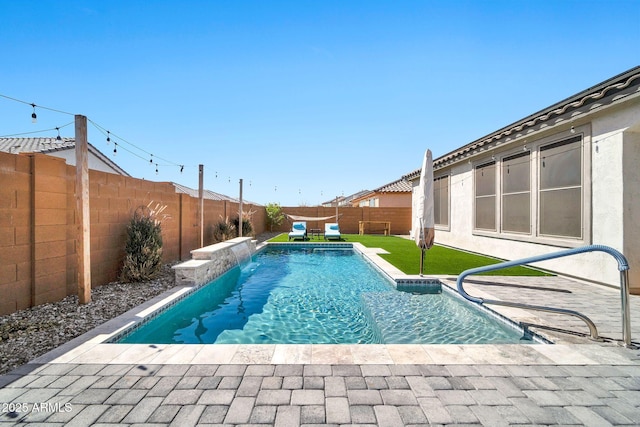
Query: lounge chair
x=298 y=230
x=331 y=231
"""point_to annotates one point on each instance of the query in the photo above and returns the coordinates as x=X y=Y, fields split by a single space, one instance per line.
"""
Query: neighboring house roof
x=47 y=145
x=411 y=176
x=207 y=194
x=345 y=200
x=398 y=186
x=604 y=94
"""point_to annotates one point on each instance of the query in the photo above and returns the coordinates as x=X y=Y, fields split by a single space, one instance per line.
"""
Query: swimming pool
x=302 y=294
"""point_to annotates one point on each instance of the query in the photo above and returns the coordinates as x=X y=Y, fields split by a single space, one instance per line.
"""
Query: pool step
x=395 y=317
x=419 y=286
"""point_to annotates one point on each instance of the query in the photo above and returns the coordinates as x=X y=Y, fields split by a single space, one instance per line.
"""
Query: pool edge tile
x=292 y=354
x=101 y=353
x=408 y=354
x=451 y=354
x=254 y=354
x=370 y=354
x=324 y=354
x=216 y=354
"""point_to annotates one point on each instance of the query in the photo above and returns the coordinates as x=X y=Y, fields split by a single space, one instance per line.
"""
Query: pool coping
x=92 y=347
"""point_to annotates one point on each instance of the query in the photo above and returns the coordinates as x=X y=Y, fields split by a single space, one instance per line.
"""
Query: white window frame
x=495 y=195
x=446 y=226
x=534 y=147
x=508 y=156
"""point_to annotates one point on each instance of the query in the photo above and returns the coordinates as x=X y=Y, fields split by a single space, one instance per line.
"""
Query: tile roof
x=608 y=92
x=208 y=194
x=412 y=175
x=399 y=186
x=47 y=145
x=35 y=145
x=345 y=200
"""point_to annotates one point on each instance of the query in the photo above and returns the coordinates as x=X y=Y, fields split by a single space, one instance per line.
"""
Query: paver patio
x=573 y=382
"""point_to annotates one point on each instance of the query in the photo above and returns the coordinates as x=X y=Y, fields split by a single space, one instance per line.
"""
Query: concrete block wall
x=400 y=218
x=15 y=232
x=113 y=200
x=38 y=226
x=51 y=224
x=38 y=260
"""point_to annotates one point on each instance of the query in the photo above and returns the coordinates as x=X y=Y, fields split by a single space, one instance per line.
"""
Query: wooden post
x=82 y=210
x=201 y=201
x=240 y=212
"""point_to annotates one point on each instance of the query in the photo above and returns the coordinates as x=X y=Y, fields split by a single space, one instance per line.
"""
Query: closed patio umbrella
x=423 y=224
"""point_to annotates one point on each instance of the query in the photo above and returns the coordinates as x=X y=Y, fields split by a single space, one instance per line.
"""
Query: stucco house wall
x=63 y=148
x=396 y=194
x=388 y=200
x=94 y=162
x=610 y=193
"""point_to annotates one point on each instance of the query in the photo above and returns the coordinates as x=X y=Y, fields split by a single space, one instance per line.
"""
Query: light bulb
x=34 y=117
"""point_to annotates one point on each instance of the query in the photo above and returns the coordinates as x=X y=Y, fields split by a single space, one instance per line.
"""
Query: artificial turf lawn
x=405 y=255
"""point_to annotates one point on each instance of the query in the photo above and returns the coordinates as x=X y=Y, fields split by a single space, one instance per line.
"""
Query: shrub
x=247 y=228
x=143 y=249
x=274 y=215
x=223 y=230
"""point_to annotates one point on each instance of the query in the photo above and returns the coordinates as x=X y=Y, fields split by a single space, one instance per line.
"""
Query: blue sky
x=303 y=100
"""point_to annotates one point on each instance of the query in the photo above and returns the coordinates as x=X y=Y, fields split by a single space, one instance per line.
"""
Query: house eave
x=620 y=88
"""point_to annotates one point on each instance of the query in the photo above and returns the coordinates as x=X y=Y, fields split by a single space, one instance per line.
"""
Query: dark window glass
x=485 y=186
x=516 y=193
x=561 y=188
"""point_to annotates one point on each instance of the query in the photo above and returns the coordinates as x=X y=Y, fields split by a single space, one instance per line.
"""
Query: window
x=485 y=187
x=560 y=207
x=441 y=200
x=516 y=193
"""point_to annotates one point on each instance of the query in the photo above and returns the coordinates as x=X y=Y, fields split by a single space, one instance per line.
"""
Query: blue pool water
x=305 y=295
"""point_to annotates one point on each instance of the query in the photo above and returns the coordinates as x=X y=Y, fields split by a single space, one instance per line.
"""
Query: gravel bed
x=29 y=333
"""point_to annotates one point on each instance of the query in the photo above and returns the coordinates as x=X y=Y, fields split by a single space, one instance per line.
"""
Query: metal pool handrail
x=623 y=267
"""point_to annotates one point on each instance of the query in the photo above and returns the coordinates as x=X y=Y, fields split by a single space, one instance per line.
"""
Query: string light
x=153 y=160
